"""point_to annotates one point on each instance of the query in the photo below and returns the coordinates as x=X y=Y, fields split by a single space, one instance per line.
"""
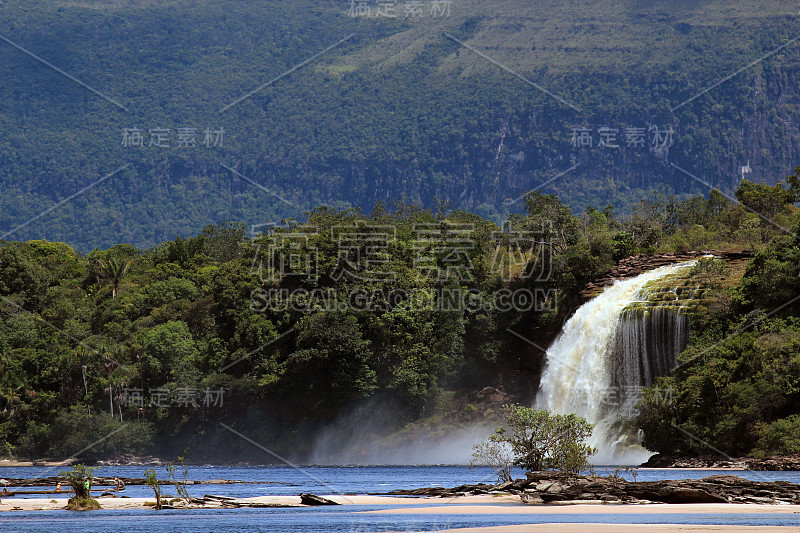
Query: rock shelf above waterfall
x=633 y=266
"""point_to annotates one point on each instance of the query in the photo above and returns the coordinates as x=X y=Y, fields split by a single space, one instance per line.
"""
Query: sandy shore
x=624 y=528
x=14 y=463
x=44 y=504
x=483 y=504
x=490 y=504
x=47 y=504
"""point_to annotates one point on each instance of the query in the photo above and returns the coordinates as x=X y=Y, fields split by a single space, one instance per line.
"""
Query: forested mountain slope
x=473 y=101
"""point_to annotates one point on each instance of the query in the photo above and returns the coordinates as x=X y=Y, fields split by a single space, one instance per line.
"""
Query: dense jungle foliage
x=157 y=347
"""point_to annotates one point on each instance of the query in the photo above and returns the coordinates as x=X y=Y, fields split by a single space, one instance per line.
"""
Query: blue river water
x=286 y=480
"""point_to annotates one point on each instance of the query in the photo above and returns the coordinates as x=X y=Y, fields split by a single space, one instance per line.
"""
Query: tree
x=170 y=351
x=735 y=390
x=180 y=484
x=114 y=268
x=540 y=440
x=74 y=429
x=768 y=202
x=711 y=269
x=780 y=437
x=222 y=242
x=549 y=216
x=794 y=184
x=329 y=345
x=151 y=479
x=771 y=278
x=765 y=200
x=21 y=274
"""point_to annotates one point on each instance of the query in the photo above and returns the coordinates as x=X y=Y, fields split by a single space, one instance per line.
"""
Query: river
x=286 y=480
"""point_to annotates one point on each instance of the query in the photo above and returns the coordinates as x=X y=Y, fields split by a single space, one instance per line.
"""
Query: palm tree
x=118 y=375
x=115 y=268
x=12 y=388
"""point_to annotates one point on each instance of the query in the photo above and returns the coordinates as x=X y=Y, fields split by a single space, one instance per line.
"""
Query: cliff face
x=399 y=111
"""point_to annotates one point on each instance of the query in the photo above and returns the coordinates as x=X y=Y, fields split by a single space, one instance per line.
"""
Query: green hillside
x=399 y=107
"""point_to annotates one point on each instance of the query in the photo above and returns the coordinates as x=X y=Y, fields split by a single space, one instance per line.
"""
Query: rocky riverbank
x=774 y=463
x=547 y=487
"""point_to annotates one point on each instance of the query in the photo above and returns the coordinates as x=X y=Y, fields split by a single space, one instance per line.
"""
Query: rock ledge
x=547 y=487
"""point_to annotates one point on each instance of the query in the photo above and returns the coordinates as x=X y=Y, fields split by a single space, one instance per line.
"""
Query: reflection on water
x=341 y=519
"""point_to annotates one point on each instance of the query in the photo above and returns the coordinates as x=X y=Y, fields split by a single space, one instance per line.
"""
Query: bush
x=496 y=455
x=540 y=440
x=780 y=437
x=80 y=479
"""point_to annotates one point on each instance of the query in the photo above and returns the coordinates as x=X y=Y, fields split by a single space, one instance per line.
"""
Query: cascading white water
x=604 y=353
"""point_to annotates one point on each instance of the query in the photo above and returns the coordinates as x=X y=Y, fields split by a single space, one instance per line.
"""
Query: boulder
x=544 y=474
x=689 y=495
x=531 y=498
x=313 y=499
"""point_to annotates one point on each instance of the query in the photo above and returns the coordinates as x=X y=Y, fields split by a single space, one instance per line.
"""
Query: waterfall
x=612 y=346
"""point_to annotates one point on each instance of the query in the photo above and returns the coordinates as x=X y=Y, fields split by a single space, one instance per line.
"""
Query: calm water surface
x=284 y=480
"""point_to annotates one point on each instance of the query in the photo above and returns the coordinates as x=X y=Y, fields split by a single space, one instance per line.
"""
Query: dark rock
x=689 y=495
x=504 y=486
x=256 y=505
x=313 y=499
x=775 y=463
x=781 y=463
x=531 y=498
x=215 y=497
x=545 y=487
x=429 y=491
x=493 y=395
x=548 y=497
x=520 y=484
x=545 y=474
